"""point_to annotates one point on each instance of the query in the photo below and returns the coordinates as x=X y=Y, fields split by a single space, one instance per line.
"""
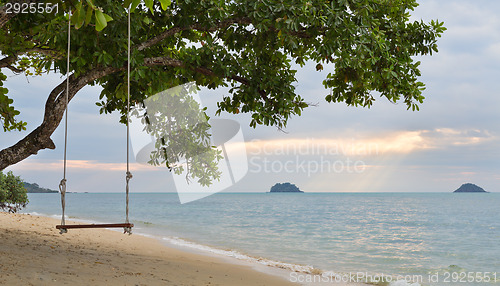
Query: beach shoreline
x=34 y=253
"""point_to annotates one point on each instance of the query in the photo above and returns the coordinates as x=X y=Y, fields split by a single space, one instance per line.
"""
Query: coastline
x=257 y=236
x=34 y=253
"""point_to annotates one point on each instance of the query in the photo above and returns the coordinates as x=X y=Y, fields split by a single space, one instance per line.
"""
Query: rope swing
x=127 y=226
x=128 y=175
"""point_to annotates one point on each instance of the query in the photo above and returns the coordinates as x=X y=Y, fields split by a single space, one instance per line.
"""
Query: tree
x=13 y=196
x=249 y=45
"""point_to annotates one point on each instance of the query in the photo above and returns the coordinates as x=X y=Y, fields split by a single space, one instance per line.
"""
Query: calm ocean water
x=377 y=233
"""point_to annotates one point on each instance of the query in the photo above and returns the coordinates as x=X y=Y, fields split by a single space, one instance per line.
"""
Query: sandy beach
x=32 y=252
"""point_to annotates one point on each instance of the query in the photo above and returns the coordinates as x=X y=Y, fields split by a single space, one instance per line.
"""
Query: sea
x=392 y=239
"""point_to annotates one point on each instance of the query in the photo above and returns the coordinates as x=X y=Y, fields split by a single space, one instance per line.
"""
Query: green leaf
x=107 y=17
x=149 y=4
x=135 y=3
x=74 y=17
x=88 y=17
x=91 y=4
x=165 y=4
x=100 y=20
x=77 y=16
x=80 y=18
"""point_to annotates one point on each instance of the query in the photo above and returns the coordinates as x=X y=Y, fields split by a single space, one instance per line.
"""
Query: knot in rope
x=128 y=176
x=127 y=230
x=62 y=186
x=62 y=189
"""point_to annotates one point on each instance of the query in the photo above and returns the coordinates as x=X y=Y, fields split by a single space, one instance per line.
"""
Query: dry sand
x=32 y=252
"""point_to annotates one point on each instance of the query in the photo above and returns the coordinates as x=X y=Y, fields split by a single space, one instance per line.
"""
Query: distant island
x=35 y=188
x=285 y=188
x=470 y=188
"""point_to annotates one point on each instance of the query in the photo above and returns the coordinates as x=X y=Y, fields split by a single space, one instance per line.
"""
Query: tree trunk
x=55 y=107
x=5 y=17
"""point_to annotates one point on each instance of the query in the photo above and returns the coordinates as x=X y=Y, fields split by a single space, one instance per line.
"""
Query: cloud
x=396 y=142
x=446 y=137
x=81 y=165
x=493 y=51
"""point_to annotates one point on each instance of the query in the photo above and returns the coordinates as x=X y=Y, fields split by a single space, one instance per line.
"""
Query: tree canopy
x=13 y=195
x=253 y=46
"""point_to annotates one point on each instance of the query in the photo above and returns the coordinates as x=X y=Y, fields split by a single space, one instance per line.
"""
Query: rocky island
x=285 y=188
x=470 y=188
x=35 y=188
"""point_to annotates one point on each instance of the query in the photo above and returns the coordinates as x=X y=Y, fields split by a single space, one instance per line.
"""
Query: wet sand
x=32 y=252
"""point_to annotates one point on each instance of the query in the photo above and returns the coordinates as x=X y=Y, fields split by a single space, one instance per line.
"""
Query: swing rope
x=62 y=184
x=127 y=226
x=128 y=175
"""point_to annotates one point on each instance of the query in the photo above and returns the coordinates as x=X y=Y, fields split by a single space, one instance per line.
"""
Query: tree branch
x=196 y=26
x=47 y=52
x=6 y=17
x=167 y=61
x=55 y=107
x=7 y=61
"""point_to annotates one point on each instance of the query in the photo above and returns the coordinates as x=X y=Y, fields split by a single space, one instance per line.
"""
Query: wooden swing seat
x=96 y=225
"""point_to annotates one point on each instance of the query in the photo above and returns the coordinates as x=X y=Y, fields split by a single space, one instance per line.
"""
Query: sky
x=452 y=140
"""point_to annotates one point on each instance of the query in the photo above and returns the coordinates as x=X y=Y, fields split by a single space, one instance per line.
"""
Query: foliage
x=13 y=195
x=181 y=133
x=253 y=46
x=7 y=111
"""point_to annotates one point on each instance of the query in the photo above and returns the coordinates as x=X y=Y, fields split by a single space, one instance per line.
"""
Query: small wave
x=44 y=215
x=148 y=223
x=240 y=256
x=450 y=269
x=33 y=213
